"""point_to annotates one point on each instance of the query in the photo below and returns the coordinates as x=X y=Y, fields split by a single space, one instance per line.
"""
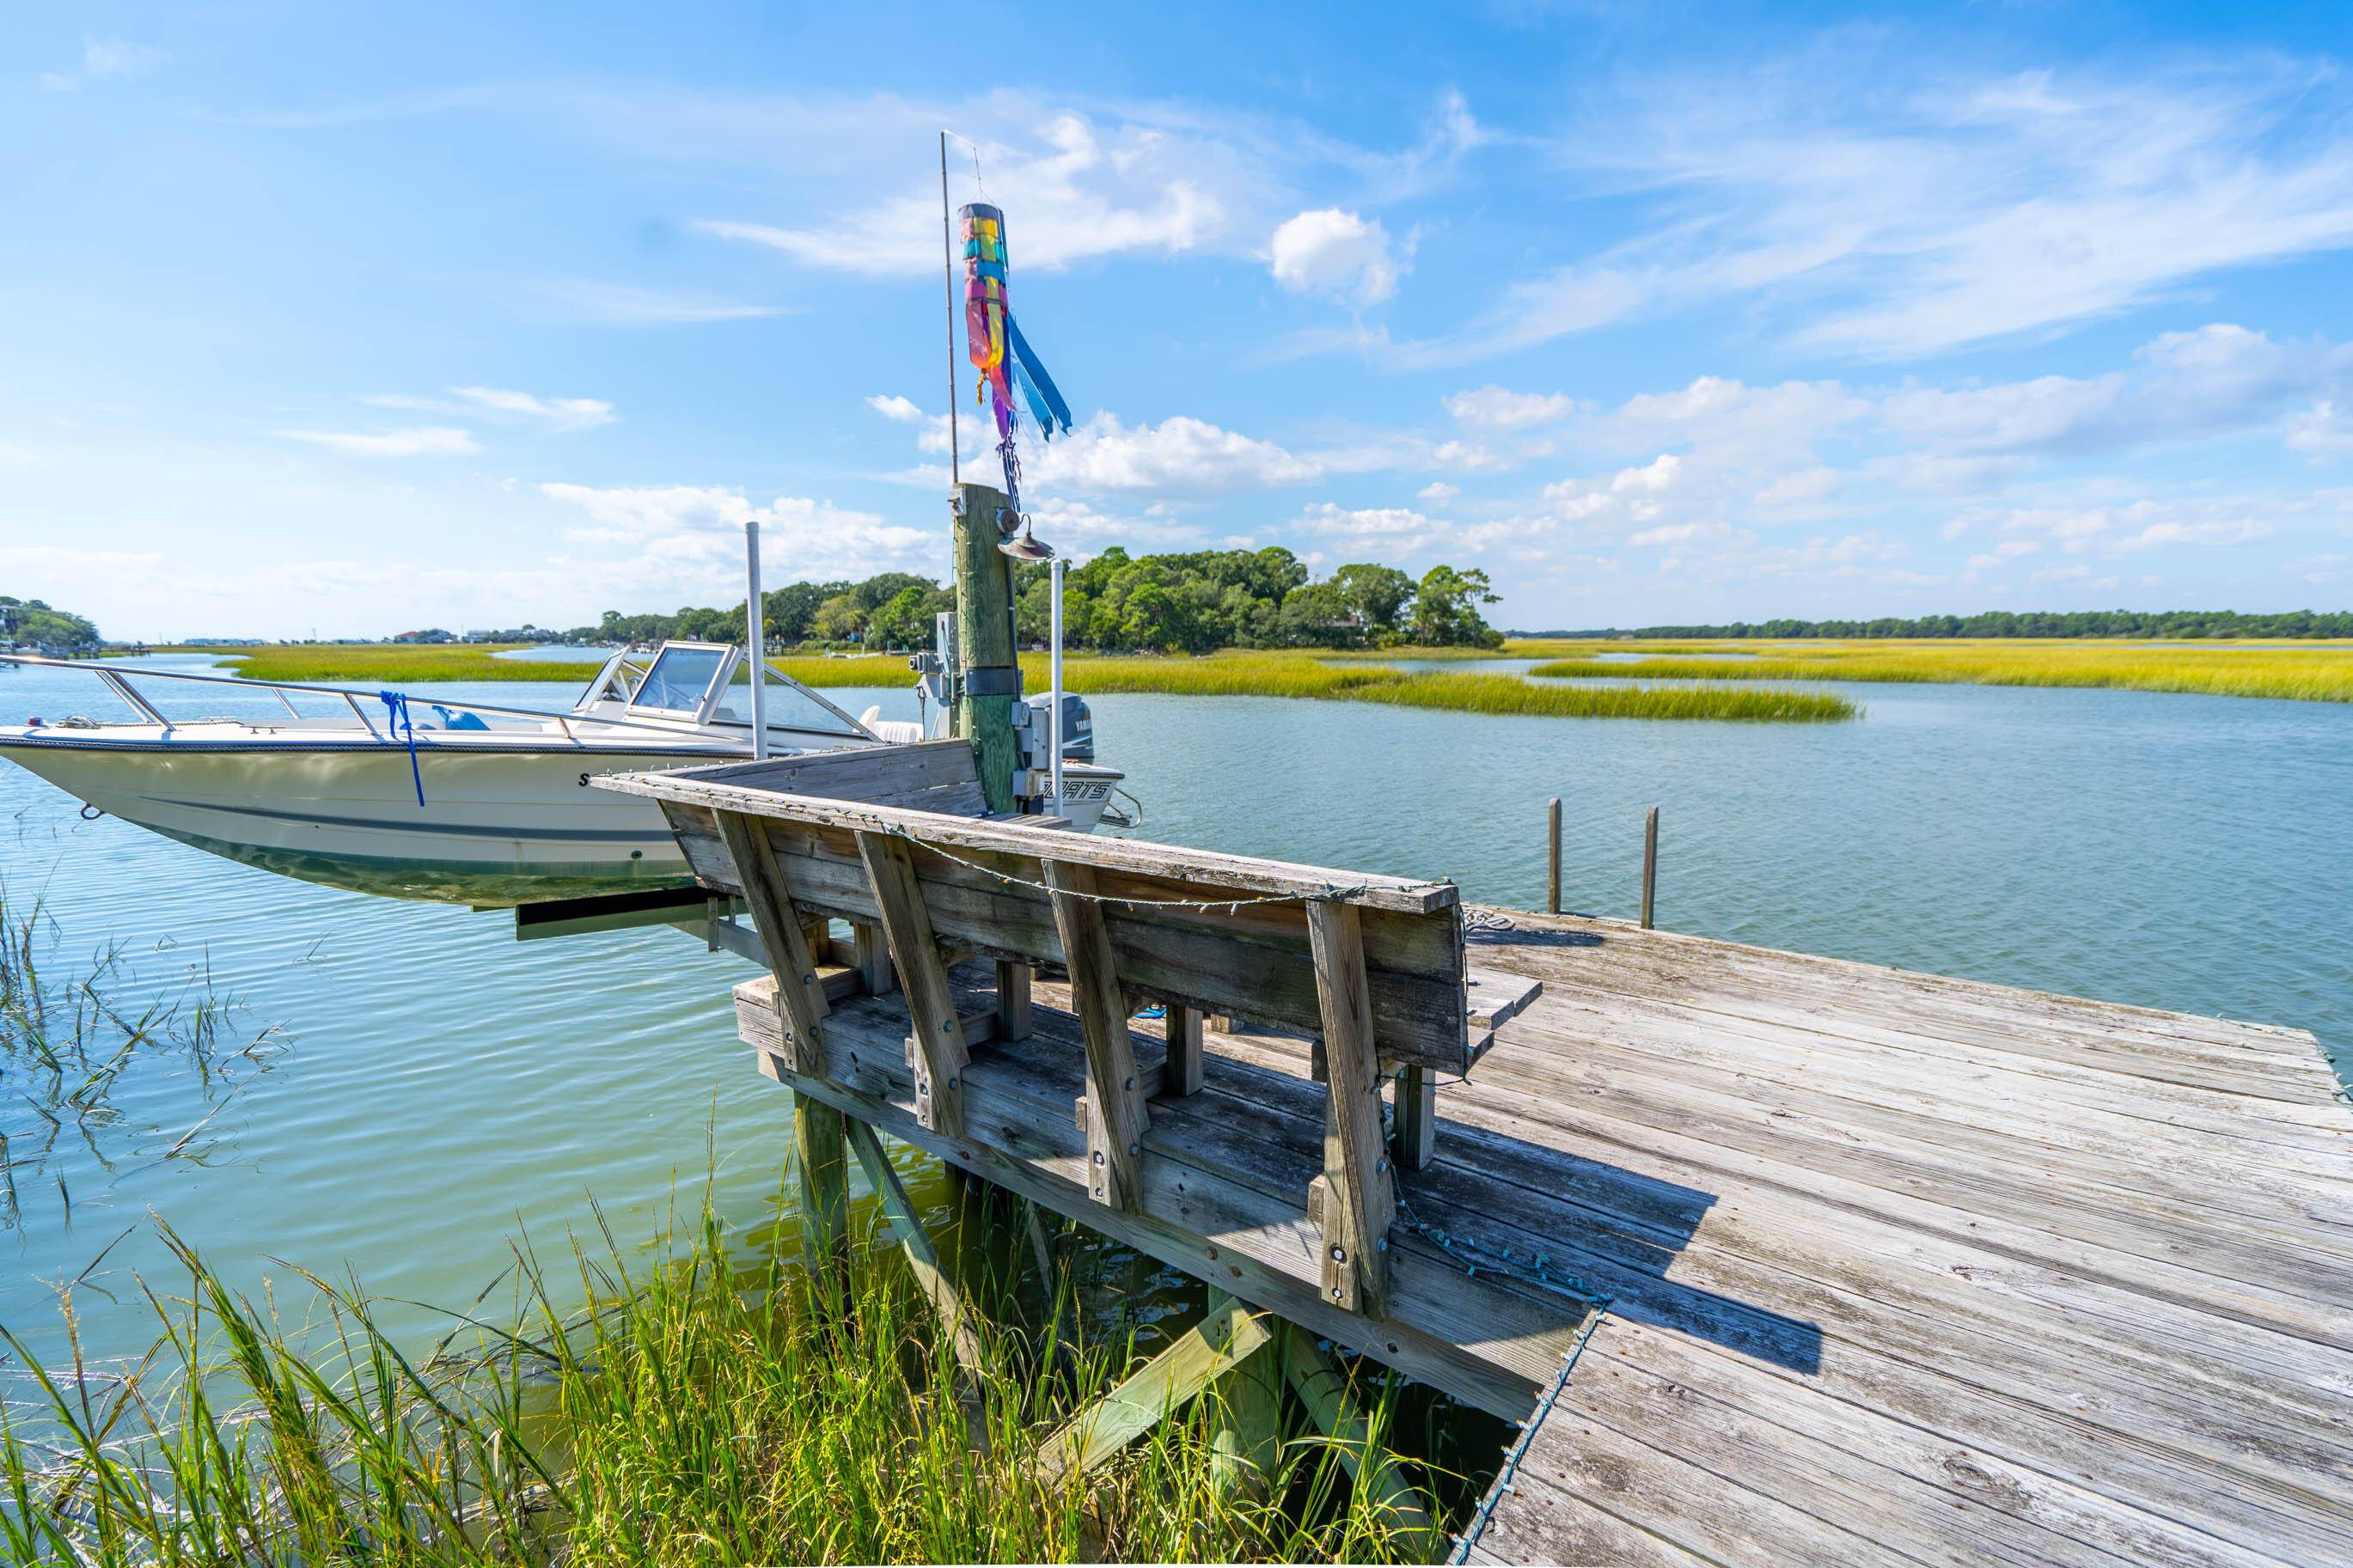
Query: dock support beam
x=1214 y=1346
x=1246 y=1434
x=922 y=1256
x=818 y=1131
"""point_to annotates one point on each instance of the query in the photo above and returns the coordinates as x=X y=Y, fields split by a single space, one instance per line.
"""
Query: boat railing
x=119 y=679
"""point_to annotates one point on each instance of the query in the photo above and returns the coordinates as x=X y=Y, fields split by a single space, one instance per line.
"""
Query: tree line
x=29 y=623
x=2185 y=625
x=1193 y=602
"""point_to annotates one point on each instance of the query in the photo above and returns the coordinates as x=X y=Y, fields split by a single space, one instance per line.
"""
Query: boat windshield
x=680 y=679
x=785 y=703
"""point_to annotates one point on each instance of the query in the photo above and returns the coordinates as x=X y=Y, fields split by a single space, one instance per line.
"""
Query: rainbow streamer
x=1008 y=366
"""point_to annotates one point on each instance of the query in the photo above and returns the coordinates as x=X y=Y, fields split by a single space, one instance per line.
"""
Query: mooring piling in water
x=1779 y=1258
x=1552 y=857
x=1650 y=863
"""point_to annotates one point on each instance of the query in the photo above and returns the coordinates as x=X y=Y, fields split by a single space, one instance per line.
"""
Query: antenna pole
x=754 y=640
x=947 y=267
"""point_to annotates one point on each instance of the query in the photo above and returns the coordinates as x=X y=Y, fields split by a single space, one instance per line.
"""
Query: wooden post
x=1650 y=863
x=1013 y=1000
x=988 y=678
x=940 y=1051
x=1246 y=1432
x=1414 y=1140
x=1358 y=1200
x=1552 y=841
x=1180 y=1074
x=873 y=959
x=1116 y=1116
x=818 y=1131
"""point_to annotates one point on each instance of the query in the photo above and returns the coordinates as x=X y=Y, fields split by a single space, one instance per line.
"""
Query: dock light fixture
x=1025 y=545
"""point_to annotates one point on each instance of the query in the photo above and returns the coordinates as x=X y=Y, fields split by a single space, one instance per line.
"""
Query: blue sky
x=358 y=318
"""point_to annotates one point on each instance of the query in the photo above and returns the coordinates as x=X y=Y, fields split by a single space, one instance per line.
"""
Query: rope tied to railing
x=396 y=708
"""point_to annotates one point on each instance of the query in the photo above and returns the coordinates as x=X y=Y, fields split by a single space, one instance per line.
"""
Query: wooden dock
x=1781 y=1259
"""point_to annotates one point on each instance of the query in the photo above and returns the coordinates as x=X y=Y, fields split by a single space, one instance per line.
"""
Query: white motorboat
x=425 y=797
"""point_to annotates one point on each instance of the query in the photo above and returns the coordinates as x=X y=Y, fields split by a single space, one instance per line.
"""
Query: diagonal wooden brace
x=801 y=1006
x=1220 y=1342
x=939 y=1053
x=1358 y=1197
x=1116 y=1116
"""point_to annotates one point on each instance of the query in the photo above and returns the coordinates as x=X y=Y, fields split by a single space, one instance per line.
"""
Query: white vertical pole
x=754 y=641
x=1054 y=574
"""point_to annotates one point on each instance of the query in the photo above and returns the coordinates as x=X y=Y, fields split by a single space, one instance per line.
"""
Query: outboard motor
x=1034 y=722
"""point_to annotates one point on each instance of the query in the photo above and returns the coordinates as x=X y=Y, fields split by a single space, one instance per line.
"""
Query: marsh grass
x=706 y=1409
x=1302 y=673
x=2318 y=674
x=76 y=1047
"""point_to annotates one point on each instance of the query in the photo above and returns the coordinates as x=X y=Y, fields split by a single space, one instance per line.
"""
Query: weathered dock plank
x=1889 y=1267
x=2076 y=1274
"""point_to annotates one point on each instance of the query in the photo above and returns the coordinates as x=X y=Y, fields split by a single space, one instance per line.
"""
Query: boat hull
x=498 y=825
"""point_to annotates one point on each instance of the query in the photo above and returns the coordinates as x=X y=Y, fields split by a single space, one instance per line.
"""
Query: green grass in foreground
x=2320 y=674
x=709 y=1412
x=1294 y=674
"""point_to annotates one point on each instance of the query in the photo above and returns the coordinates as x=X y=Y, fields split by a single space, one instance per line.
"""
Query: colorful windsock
x=996 y=346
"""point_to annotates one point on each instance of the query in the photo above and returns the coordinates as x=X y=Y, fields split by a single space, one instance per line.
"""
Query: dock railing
x=1370 y=969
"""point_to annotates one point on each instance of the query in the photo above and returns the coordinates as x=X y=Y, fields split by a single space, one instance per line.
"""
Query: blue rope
x=396 y=708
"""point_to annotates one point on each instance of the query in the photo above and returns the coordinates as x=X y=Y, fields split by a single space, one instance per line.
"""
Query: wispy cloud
x=422 y=441
x=563 y=413
x=101 y=59
x=1930 y=214
x=630 y=306
x=554 y=413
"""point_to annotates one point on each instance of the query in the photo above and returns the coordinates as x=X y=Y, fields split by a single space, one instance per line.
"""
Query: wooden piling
x=819 y=1151
x=989 y=678
x=1246 y=1416
x=1552 y=857
x=1650 y=863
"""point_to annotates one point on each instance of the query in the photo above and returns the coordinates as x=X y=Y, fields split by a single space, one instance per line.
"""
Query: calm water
x=448 y=1087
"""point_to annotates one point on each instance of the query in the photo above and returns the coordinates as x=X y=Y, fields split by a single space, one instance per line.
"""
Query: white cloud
x=2321 y=431
x=423 y=441
x=562 y=412
x=1339 y=254
x=625 y=306
x=101 y=59
x=694 y=533
x=1397 y=527
x=1179 y=454
x=1492 y=408
x=892 y=406
x=1653 y=477
x=2136 y=526
x=1437 y=492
